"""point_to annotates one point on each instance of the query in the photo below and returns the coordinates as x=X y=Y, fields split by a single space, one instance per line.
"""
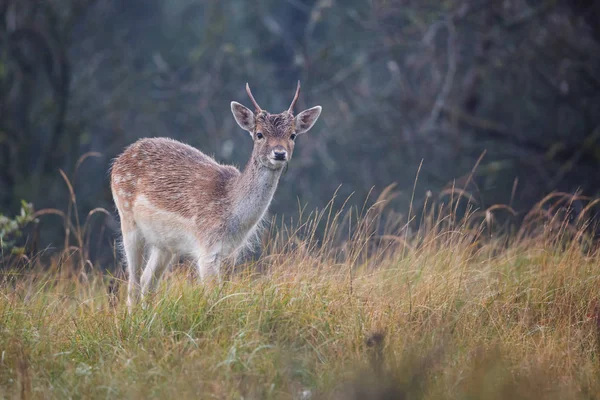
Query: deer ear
x=306 y=119
x=243 y=116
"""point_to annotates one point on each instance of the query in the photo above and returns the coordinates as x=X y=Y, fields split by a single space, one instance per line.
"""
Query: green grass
x=449 y=312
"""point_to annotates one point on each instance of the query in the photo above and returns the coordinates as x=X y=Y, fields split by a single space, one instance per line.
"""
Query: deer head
x=274 y=135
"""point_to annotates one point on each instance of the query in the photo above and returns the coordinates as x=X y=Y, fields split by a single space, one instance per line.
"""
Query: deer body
x=174 y=200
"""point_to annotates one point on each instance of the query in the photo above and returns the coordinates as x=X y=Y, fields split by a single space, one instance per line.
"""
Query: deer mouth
x=273 y=163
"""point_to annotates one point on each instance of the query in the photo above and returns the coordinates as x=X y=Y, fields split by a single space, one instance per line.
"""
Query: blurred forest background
x=400 y=81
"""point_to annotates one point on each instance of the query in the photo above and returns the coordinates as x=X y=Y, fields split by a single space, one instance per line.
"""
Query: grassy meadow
x=339 y=305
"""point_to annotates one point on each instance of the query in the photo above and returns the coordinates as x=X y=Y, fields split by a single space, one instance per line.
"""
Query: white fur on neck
x=253 y=192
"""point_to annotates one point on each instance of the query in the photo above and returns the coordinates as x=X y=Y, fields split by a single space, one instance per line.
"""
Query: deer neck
x=253 y=192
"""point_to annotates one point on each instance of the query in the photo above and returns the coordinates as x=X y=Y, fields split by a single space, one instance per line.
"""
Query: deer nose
x=279 y=154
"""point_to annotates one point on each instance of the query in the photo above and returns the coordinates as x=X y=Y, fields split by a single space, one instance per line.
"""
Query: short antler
x=258 y=109
x=291 y=109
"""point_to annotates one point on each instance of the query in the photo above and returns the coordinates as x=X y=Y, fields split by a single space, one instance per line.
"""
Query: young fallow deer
x=175 y=200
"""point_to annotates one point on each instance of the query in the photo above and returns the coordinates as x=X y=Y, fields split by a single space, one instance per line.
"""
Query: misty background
x=400 y=81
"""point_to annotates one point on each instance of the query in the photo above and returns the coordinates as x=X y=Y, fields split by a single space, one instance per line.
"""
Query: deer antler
x=291 y=109
x=258 y=109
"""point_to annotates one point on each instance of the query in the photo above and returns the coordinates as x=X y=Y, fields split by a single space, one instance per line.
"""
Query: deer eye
x=259 y=135
x=293 y=136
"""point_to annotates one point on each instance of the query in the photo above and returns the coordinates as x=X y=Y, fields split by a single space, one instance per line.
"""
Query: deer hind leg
x=133 y=243
x=158 y=262
x=209 y=267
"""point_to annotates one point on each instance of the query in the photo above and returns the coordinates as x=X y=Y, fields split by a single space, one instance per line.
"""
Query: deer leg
x=133 y=244
x=157 y=264
x=209 y=267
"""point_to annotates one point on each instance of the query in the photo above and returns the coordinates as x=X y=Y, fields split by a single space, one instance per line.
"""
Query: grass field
x=458 y=309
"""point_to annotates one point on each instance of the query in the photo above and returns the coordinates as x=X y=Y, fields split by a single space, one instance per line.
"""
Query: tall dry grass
x=342 y=303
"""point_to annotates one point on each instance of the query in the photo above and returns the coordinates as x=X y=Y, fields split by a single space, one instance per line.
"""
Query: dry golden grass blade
x=566 y=201
x=49 y=211
x=587 y=208
x=502 y=207
x=532 y=217
x=97 y=210
x=539 y=205
x=396 y=239
x=68 y=225
x=387 y=193
x=470 y=178
x=513 y=192
x=561 y=196
x=474 y=168
x=412 y=196
x=69 y=186
x=73 y=249
x=385 y=197
x=460 y=192
x=85 y=157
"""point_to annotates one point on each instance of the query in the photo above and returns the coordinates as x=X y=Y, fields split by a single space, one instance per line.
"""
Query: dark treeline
x=400 y=81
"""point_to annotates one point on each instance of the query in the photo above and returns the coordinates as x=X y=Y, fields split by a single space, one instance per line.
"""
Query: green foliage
x=11 y=229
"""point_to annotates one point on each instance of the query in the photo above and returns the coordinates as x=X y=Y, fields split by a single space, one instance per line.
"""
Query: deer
x=173 y=200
